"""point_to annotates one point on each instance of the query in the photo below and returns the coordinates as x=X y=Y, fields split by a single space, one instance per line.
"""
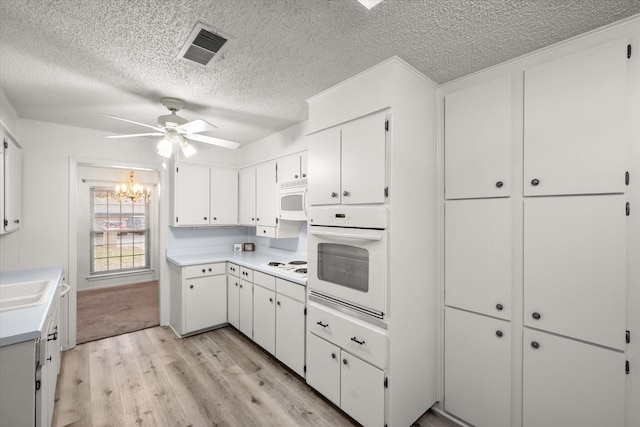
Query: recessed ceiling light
x=369 y=3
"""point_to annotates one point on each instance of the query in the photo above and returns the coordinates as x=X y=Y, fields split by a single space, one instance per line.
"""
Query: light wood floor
x=218 y=378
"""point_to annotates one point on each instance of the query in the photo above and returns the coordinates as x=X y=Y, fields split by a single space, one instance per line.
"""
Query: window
x=119 y=234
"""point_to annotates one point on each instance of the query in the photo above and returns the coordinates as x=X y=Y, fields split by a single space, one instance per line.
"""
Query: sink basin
x=23 y=294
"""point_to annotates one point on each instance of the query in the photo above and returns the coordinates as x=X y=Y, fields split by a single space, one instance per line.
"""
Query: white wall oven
x=348 y=258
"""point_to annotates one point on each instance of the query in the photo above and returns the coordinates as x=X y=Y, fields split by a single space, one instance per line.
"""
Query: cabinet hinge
x=386 y=191
x=276 y=220
x=6 y=144
x=38 y=384
x=386 y=382
x=6 y=222
x=627 y=369
x=305 y=312
x=176 y=220
x=627 y=336
x=626 y=178
x=177 y=169
x=628 y=209
x=386 y=125
x=304 y=369
x=628 y=51
x=276 y=173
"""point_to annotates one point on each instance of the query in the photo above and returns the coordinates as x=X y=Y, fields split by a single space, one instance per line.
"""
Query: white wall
x=288 y=141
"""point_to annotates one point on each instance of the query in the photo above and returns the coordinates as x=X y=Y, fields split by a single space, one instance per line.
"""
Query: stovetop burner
x=275 y=264
x=298 y=267
x=297 y=263
x=300 y=270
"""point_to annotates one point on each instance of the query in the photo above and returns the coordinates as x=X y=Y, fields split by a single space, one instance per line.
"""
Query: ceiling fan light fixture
x=187 y=149
x=369 y=4
x=165 y=147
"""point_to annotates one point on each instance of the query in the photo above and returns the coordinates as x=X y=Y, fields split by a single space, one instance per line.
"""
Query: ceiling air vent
x=203 y=45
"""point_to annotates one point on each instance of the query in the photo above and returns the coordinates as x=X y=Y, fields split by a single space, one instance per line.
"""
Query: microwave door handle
x=304 y=202
x=373 y=237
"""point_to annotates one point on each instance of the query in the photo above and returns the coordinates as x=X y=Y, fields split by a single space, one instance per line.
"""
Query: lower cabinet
x=350 y=383
x=477 y=368
x=198 y=297
x=245 y=310
x=233 y=295
x=571 y=383
x=264 y=314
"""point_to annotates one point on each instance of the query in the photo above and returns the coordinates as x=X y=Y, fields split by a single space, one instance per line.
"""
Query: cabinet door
x=478 y=141
x=574 y=267
x=205 y=302
x=264 y=315
x=574 y=123
x=233 y=301
x=323 y=367
x=361 y=391
x=324 y=167
x=478 y=256
x=289 y=168
x=191 y=195
x=571 y=383
x=477 y=365
x=246 y=308
x=266 y=195
x=290 y=333
x=247 y=197
x=363 y=160
x=304 y=164
x=224 y=196
x=12 y=186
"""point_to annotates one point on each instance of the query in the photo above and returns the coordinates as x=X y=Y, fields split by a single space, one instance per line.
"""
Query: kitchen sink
x=23 y=294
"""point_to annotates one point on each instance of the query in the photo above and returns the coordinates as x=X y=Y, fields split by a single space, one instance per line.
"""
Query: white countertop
x=27 y=323
x=257 y=260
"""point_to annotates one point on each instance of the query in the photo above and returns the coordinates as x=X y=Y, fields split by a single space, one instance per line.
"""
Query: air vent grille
x=202 y=45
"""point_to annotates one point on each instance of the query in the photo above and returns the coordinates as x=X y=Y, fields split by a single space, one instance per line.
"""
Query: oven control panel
x=349 y=216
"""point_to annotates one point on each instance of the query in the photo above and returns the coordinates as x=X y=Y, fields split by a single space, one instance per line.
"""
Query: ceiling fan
x=177 y=131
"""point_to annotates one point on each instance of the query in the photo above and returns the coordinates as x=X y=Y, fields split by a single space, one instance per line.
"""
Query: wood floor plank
x=218 y=378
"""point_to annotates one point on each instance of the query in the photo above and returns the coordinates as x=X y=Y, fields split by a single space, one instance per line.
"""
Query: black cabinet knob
x=333 y=355
x=215 y=218
x=499 y=184
x=304 y=175
x=345 y=193
x=209 y=269
x=205 y=218
x=499 y=307
x=535 y=182
x=190 y=286
x=535 y=344
x=334 y=194
x=536 y=315
x=344 y=361
x=278 y=303
x=270 y=299
x=499 y=334
x=296 y=176
x=203 y=270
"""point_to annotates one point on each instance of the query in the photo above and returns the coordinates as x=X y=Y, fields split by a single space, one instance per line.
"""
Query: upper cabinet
x=266 y=195
x=574 y=123
x=347 y=162
x=247 y=197
x=204 y=195
x=10 y=184
x=292 y=167
x=478 y=141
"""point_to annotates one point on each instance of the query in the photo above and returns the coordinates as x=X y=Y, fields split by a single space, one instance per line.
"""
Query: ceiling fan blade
x=133 y=135
x=157 y=129
x=215 y=141
x=196 y=126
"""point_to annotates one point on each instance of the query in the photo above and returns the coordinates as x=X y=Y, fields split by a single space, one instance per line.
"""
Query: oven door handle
x=373 y=237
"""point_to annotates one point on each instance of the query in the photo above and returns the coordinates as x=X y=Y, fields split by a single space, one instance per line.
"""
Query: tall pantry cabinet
x=536 y=220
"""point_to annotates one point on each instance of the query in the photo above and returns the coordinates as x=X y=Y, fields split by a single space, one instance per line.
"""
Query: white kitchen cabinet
x=575 y=122
x=266 y=195
x=198 y=297
x=292 y=167
x=246 y=308
x=204 y=195
x=247 y=197
x=477 y=363
x=264 y=315
x=350 y=383
x=290 y=325
x=478 y=140
x=233 y=301
x=10 y=184
x=574 y=267
x=347 y=163
x=223 y=196
x=478 y=256
x=571 y=383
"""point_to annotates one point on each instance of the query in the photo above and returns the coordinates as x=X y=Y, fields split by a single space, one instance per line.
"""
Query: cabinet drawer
x=266 y=231
x=290 y=289
x=204 y=270
x=356 y=337
x=246 y=274
x=264 y=280
x=233 y=269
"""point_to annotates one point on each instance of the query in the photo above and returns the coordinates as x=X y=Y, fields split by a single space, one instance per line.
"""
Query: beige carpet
x=108 y=312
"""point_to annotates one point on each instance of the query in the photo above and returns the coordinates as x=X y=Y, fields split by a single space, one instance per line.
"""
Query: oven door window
x=344 y=265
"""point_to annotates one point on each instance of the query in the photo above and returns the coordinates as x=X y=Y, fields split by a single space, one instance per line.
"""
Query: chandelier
x=132 y=190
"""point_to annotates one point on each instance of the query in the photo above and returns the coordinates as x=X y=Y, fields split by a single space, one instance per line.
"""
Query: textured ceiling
x=67 y=61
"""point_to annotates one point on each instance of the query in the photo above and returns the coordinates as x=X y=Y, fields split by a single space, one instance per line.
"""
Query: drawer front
x=291 y=289
x=246 y=274
x=358 y=338
x=204 y=270
x=264 y=280
x=266 y=231
x=233 y=269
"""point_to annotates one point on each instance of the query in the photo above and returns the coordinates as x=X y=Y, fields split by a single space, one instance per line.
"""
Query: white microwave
x=292 y=203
